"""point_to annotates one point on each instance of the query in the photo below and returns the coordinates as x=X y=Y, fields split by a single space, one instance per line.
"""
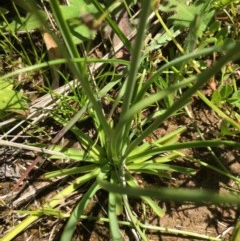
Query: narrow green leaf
x=118 y=197
x=44 y=211
x=120 y=136
x=114 y=227
x=142 y=157
x=71 y=171
x=76 y=154
x=236 y=232
x=173 y=194
x=159 y=211
x=160 y=167
x=77 y=212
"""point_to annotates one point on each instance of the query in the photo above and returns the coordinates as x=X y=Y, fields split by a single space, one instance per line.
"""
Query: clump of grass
x=119 y=150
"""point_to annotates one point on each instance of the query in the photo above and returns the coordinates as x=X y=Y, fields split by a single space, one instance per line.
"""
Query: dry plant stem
x=53 y=53
x=31 y=148
x=34 y=163
x=52 y=48
x=7 y=122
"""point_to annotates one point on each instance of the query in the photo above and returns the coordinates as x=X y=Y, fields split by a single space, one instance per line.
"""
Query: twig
x=31 y=148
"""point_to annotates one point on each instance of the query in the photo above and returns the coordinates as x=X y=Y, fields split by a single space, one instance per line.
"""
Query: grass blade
x=172 y=194
x=78 y=69
x=121 y=134
x=132 y=183
x=77 y=212
x=114 y=227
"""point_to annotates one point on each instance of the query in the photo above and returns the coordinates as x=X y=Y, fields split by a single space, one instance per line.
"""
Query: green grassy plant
x=120 y=149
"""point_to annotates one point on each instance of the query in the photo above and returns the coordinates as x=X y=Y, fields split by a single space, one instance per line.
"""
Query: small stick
x=29 y=169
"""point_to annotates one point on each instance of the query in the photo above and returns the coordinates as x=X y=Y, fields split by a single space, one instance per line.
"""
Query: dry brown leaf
x=53 y=53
